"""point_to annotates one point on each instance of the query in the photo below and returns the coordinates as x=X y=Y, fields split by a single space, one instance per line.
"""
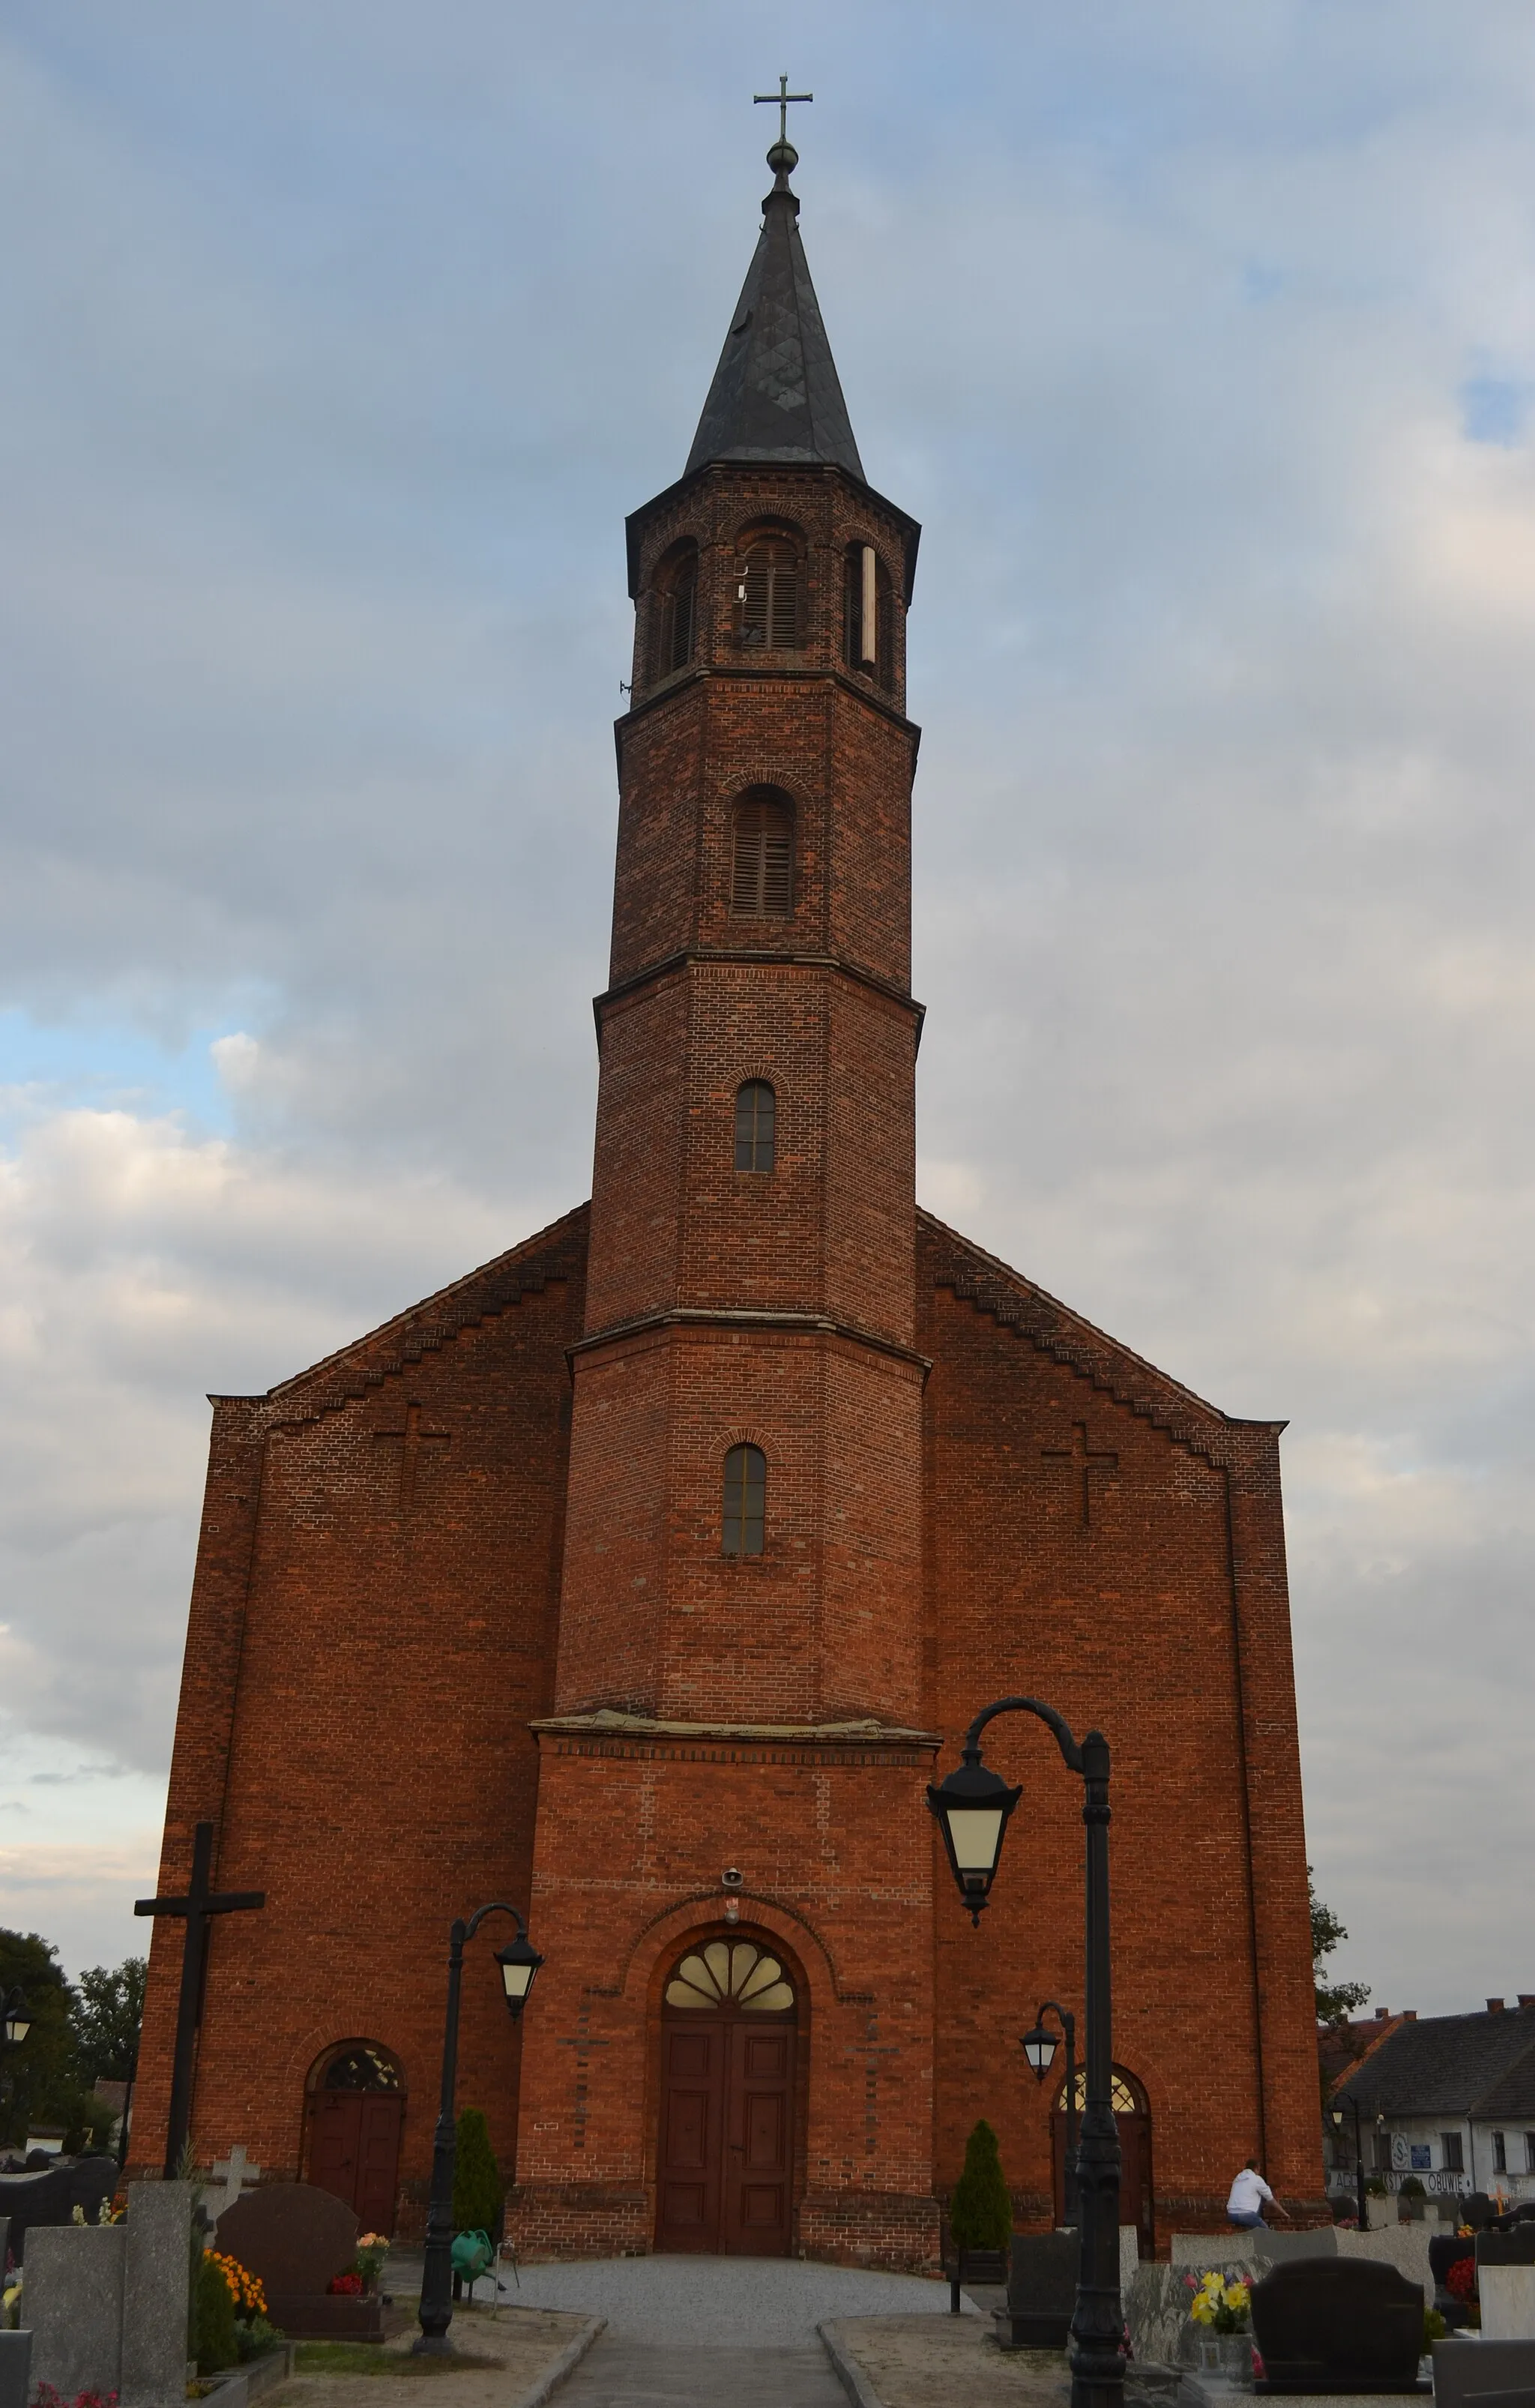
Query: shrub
x=477 y=2196
x=213 y=2318
x=1412 y=2188
x=981 y=2212
x=1433 y=2328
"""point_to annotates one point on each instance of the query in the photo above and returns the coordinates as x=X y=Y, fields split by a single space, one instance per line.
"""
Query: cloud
x=1202 y=343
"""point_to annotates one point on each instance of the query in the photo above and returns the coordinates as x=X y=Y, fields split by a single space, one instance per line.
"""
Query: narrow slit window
x=868 y=615
x=745 y=1496
x=762 y=857
x=756 y=1112
x=677 y=599
x=768 y=593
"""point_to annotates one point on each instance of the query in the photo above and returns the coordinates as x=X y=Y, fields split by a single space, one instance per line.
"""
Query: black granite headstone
x=1337 y=2324
x=1477 y=2210
x=1041 y=2291
x=1512 y=2247
x=50 y=2196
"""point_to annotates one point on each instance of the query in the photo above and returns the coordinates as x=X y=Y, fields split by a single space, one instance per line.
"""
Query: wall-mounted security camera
x=731 y=1879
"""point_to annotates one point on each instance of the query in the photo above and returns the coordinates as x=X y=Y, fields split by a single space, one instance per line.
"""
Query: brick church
x=643 y=1577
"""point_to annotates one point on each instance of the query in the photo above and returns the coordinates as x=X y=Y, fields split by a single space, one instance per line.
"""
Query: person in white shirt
x=1250 y=2194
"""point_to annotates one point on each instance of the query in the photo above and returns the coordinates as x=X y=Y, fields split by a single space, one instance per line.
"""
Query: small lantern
x=1338 y=2115
x=1039 y=2047
x=971 y=1808
x=18 y=2022
x=519 y=1963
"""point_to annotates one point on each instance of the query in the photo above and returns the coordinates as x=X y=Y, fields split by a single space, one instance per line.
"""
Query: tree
x=1334 y=2000
x=108 y=2010
x=39 y=2084
x=980 y=2211
x=478 y=2193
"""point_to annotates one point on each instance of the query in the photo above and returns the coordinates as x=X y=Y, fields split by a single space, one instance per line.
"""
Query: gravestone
x=1041 y=2291
x=1469 y=2372
x=1338 y=2325
x=1477 y=2210
x=15 y=2369
x=1284 y=2247
x=155 y=2292
x=74 y=2306
x=1505 y=2283
x=51 y=2196
x=1446 y=2249
x=295 y=2237
x=1156 y=2305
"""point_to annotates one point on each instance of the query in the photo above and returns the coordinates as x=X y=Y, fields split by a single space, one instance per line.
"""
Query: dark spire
x=775 y=394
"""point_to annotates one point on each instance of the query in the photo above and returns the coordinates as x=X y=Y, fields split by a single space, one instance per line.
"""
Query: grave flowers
x=1221 y=2313
x=372 y=2249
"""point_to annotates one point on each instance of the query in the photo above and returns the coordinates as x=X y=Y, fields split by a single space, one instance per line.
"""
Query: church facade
x=645 y=1577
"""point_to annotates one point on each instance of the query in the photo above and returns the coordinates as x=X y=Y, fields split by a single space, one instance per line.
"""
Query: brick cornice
x=707 y=1317
x=612 y=1731
x=758 y=957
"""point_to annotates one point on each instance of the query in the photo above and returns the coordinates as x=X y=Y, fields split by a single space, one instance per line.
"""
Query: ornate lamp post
x=15 y=2023
x=518 y=1961
x=1358 y=2159
x=972 y=1807
x=1039 y=2047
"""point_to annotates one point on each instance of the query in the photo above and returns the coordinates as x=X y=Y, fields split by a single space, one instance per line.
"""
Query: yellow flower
x=1236 y=2295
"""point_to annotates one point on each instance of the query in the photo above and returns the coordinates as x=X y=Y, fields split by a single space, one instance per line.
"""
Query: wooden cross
x=1084 y=1460
x=234 y=2172
x=196 y=1908
x=410 y=1440
x=783 y=100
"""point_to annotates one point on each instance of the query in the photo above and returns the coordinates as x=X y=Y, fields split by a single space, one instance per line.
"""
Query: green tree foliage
x=981 y=2212
x=38 y=2082
x=478 y=2193
x=1334 y=2000
x=216 y=2344
x=108 y=2010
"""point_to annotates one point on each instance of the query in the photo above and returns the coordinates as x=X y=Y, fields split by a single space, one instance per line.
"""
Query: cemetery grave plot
x=497 y=2359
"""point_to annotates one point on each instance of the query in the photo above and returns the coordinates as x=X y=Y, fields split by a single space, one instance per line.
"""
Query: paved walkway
x=734 y=2331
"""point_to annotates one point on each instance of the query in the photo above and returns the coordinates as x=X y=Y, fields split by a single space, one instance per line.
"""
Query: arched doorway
x=352 y=2116
x=724 y=2155
x=1136 y=2199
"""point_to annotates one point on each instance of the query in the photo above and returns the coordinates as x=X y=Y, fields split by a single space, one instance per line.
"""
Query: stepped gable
x=557 y=1252
x=951 y=1261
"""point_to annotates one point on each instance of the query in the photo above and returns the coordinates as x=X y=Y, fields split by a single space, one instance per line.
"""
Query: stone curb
x=564 y=2366
x=849 y=2373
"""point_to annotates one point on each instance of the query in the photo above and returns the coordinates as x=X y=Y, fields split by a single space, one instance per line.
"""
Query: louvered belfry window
x=745 y=1498
x=762 y=859
x=756 y=1115
x=768 y=593
x=679 y=606
x=868 y=615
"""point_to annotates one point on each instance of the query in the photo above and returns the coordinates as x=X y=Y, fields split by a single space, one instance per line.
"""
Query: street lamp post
x=15 y=2023
x=1358 y=2159
x=518 y=1961
x=972 y=1807
x=1039 y=2047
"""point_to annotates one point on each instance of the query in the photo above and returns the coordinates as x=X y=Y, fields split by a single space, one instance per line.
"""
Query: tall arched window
x=745 y=1496
x=868 y=615
x=768 y=593
x=761 y=857
x=677 y=599
x=757 y=1112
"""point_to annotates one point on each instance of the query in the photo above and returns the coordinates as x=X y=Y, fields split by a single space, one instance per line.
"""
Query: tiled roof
x=1449 y=2065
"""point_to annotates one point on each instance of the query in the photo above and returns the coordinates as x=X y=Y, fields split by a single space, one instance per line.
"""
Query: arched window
x=745 y=1496
x=757 y=1112
x=761 y=857
x=868 y=615
x=677 y=599
x=768 y=593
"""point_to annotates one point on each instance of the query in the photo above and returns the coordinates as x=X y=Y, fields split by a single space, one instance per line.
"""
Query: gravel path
x=732 y=2303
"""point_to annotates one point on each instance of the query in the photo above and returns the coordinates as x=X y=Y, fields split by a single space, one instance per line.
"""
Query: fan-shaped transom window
x=756 y=1115
x=768 y=593
x=731 y=1974
x=1123 y=2097
x=762 y=855
x=361 y=2067
x=677 y=596
x=745 y=1500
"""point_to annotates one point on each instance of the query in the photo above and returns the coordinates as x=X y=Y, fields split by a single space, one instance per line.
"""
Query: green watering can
x=473 y=2255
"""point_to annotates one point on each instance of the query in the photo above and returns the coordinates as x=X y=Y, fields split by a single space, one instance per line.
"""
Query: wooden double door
x=354 y=2151
x=726 y=2160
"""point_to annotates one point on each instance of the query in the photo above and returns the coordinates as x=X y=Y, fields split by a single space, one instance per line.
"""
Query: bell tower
x=739 y=1678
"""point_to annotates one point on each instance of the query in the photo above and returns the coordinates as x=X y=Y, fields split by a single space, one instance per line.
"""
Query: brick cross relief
x=1084 y=1462
x=410 y=1440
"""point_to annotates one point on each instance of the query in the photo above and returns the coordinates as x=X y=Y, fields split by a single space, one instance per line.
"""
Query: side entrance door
x=725 y=2163
x=354 y=2152
x=1136 y=2199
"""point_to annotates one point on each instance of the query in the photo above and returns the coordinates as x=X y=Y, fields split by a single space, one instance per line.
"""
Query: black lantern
x=18 y=2022
x=518 y=1961
x=971 y=1809
x=1039 y=2047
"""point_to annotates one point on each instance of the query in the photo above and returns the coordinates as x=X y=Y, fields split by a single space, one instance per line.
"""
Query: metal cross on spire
x=783 y=99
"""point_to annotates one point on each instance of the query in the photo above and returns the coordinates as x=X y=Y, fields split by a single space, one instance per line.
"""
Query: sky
x=342 y=335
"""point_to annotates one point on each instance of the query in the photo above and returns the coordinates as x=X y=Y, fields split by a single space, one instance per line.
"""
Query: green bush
x=478 y=2194
x=253 y=2338
x=1412 y=2188
x=1434 y=2328
x=216 y=2343
x=981 y=2212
